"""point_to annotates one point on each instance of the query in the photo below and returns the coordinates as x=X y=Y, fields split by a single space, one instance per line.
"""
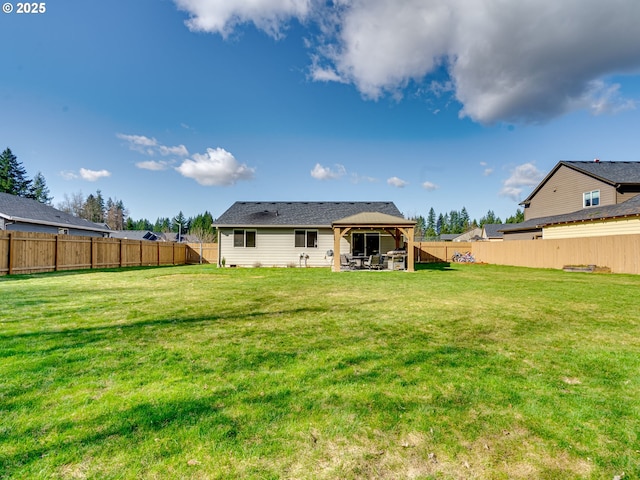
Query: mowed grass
x=474 y=371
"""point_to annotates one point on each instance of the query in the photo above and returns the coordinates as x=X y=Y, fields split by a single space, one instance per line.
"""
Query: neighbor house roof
x=137 y=235
x=493 y=230
x=625 y=209
x=26 y=210
x=612 y=173
x=300 y=214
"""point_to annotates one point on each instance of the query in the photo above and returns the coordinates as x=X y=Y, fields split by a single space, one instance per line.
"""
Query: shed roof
x=374 y=218
x=287 y=214
x=27 y=210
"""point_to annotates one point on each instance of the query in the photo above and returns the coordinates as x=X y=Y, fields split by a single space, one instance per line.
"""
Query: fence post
x=93 y=252
x=11 y=253
x=121 y=252
x=56 y=257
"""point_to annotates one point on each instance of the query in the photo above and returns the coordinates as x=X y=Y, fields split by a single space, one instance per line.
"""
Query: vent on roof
x=596 y=160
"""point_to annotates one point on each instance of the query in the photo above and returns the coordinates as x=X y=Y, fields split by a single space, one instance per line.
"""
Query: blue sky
x=190 y=105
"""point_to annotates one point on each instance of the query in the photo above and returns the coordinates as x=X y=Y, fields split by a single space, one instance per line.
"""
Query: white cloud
x=151 y=146
x=513 y=61
x=93 y=175
x=429 y=186
x=153 y=165
x=397 y=182
x=325 y=173
x=525 y=175
x=221 y=16
x=487 y=172
x=68 y=175
x=216 y=167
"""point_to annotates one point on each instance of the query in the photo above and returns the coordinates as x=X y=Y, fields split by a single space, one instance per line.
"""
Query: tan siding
x=275 y=248
x=623 y=197
x=562 y=193
x=593 y=229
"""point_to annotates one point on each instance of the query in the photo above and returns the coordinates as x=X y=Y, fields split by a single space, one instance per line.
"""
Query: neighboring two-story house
x=582 y=199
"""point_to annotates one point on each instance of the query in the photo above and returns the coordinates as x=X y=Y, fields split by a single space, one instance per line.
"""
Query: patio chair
x=376 y=262
x=346 y=262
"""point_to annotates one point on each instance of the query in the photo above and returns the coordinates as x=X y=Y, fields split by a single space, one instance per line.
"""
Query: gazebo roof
x=374 y=219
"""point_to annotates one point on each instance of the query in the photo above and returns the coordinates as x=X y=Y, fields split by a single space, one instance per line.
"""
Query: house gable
x=561 y=191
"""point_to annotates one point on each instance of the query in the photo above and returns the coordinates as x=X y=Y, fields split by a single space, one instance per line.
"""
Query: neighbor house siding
x=626 y=226
x=562 y=193
x=38 y=228
x=275 y=247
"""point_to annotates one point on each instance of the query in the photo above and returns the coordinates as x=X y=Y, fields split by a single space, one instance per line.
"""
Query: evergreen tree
x=116 y=214
x=39 y=190
x=202 y=227
x=464 y=219
x=13 y=176
x=431 y=223
x=517 y=218
x=490 y=218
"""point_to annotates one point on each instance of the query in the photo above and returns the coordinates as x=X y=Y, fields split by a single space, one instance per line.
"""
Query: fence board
x=620 y=253
x=202 y=253
x=26 y=252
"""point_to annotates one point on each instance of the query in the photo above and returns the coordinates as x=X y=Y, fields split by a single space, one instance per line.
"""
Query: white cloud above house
x=154 y=165
x=85 y=174
x=429 y=186
x=320 y=172
x=216 y=167
x=397 y=182
x=572 y=49
x=525 y=175
x=150 y=146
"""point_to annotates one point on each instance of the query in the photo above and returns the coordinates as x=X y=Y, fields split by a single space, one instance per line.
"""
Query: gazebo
x=397 y=227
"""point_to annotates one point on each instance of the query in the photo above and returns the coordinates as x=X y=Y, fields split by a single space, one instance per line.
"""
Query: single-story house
x=310 y=234
x=617 y=219
x=27 y=215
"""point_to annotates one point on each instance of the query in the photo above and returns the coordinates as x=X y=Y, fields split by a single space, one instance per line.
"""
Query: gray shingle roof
x=15 y=208
x=629 y=208
x=493 y=230
x=611 y=172
x=298 y=213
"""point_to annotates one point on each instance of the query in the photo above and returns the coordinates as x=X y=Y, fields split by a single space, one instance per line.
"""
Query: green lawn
x=195 y=372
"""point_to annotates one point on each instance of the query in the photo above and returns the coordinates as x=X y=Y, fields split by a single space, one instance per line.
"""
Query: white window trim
x=306 y=237
x=244 y=237
x=588 y=197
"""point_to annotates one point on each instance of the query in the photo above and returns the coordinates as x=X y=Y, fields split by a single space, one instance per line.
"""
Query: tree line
x=113 y=213
x=14 y=180
x=457 y=222
x=96 y=207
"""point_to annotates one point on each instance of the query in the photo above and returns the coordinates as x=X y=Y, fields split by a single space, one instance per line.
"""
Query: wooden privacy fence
x=202 y=253
x=620 y=253
x=24 y=252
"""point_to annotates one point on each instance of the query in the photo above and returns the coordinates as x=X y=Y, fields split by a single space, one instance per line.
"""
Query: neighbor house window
x=591 y=199
x=244 y=238
x=306 y=238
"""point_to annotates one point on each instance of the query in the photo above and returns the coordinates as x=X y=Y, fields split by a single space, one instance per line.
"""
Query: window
x=63 y=231
x=591 y=199
x=306 y=238
x=244 y=238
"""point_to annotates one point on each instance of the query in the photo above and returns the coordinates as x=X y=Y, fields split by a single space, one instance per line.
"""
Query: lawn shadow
x=440 y=266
